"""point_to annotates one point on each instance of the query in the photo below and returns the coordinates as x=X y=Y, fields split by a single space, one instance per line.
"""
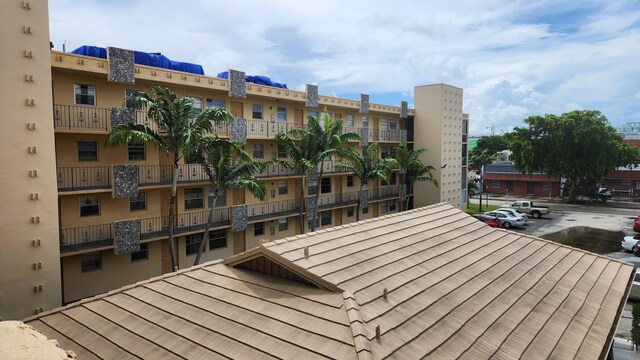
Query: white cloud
x=512 y=58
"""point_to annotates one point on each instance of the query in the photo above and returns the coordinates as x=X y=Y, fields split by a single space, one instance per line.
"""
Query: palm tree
x=309 y=147
x=218 y=156
x=329 y=140
x=175 y=129
x=411 y=170
x=366 y=166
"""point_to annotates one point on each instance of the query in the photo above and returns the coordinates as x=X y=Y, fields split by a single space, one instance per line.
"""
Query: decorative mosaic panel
x=237 y=82
x=312 y=209
x=364 y=137
x=122 y=116
x=127 y=236
x=239 y=130
x=312 y=96
x=239 y=219
x=364 y=199
x=121 y=65
x=403 y=110
x=403 y=135
x=125 y=181
x=364 y=103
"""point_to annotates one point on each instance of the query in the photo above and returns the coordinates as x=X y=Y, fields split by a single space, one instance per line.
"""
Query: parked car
x=629 y=242
x=514 y=212
x=527 y=207
x=489 y=220
x=506 y=219
x=634 y=294
x=636 y=224
x=604 y=192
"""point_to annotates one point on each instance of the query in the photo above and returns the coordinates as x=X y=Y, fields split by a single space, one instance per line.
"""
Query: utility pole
x=481 y=187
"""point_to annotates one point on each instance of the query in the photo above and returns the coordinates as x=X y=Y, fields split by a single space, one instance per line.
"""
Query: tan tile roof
x=455 y=288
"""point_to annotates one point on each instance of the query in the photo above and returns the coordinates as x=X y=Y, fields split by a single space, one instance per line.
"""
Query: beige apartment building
x=64 y=211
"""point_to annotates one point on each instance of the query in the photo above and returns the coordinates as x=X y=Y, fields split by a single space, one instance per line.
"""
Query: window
x=385 y=151
x=192 y=243
x=388 y=206
x=349 y=120
x=91 y=262
x=258 y=229
x=325 y=185
x=138 y=202
x=220 y=202
x=84 y=94
x=350 y=212
x=622 y=182
x=392 y=180
x=142 y=254
x=325 y=218
x=193 y=199
x=136 y=151
x=282 y=151
x=546 y=186
x=89 y=205
x=282 y=187
x=283 y=224
x=313 y=114
x=197 y=105
x=87 y=151
x=215 y=103
x=495 y=184
x=349 y=180
x=388 y=125
x=258 y=151
x=217 y=239
x=129 y=92
x=365 y=210
x=256 y=110
x=282 y=114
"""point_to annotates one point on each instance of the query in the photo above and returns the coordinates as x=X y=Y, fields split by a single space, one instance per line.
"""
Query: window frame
x=323 y=217
x=83 y=199
x=194 y=199
x=350 y=120
x=82 y=154
x=350 y=180
x=85 y=260
x=258 y=151
x=282 y=191
x=495 y=184
x=89 y=88
x=192 y=244
x=254 y=108
x=142 y=254
x=220 y=202
x=282 y=118
x=215 y=104
x=215 y=239
x=138 y=201
x=282 y=152
x=350 y=212
x=324 y=186
x=138 y=145
x=283 y=224
x=258 y=228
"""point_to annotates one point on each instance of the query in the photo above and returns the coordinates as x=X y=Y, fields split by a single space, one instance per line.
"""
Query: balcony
x=328 y=201
x=385 y=192
x=268 y=129
x=97 y=236
x=273 y=209
x=83 y=178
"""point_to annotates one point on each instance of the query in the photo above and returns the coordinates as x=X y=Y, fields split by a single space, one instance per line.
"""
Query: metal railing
x=331 y=200
x=273 y=209
x=161 y=174
x=80 y=117
x=268 y=129
x=83 y=178
x=276 y=170
x=86 y=237
x=385 y=192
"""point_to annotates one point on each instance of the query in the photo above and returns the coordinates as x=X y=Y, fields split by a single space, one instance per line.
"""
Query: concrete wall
x=438 y=128
x=30 y=274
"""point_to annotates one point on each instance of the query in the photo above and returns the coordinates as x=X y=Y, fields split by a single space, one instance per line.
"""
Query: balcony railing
x=332 y=200
x=80 y=117
x=273 y=209
x=385 y=192
x=277 y=170
x=268 y=129
x=94 y=236
x=161 y=174
x=83 y=178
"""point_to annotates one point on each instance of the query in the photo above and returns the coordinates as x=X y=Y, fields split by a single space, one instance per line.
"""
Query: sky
x=512 y=58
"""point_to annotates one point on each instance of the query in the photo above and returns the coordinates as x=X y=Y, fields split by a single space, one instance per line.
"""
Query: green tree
x=308 y=147
x=411 y=170
x=176 y=128
x=366 y=166
x=228 y=167
x=485 y=151
x=579 y=146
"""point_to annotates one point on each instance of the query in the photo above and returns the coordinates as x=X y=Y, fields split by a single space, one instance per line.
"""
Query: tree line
x=184 y=134
x=579 y=146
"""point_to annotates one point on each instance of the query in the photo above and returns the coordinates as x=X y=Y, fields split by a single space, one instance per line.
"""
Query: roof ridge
x=120 y=289
x=356 y=325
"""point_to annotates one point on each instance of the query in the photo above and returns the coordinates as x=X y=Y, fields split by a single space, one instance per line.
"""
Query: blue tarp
x=143 y=58
x=256 y=79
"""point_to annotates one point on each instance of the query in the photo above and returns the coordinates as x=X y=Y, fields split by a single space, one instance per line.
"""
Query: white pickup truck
x=527 y=207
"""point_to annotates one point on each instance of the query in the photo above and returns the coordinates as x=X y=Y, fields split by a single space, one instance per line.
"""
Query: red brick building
x=502 y=177
x=624 y=180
